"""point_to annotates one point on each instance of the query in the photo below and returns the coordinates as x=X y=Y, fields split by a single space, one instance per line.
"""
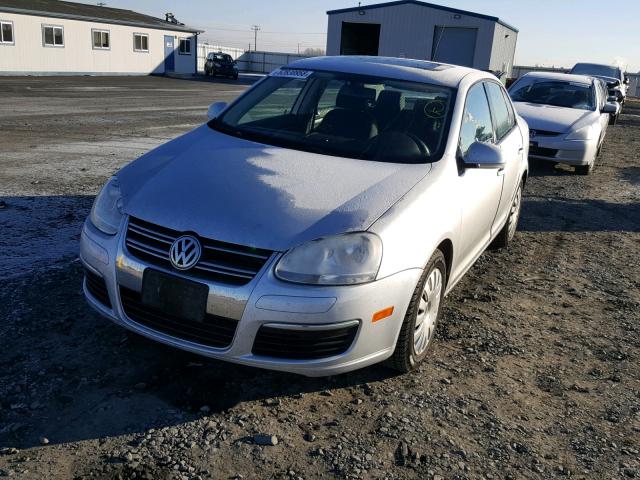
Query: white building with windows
x=52 y=37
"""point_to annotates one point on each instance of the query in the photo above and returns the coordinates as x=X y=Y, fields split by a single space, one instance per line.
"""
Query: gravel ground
x=534 y=374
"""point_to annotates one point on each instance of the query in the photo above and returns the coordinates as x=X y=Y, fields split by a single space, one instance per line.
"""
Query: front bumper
x=557 y=149
x=264 y=301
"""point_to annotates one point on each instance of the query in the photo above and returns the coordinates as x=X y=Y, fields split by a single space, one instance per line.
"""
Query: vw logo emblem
x=185 y=252
x=532 y=133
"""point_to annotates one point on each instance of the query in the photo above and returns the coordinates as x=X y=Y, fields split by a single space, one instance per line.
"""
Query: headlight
x=346 y=259
x=584 y=133
x=106 y=212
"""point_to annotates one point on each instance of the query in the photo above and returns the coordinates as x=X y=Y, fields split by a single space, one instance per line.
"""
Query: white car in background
x=567 y=116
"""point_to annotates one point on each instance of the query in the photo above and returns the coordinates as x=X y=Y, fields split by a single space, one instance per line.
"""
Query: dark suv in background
x=221 y=64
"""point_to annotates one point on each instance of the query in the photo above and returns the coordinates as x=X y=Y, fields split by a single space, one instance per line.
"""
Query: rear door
x=510 y=141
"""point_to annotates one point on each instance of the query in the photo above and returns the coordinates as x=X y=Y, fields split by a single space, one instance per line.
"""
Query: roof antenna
x=102 y=4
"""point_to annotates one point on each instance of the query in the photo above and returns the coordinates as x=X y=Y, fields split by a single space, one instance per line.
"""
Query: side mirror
x=483 y=155
x=614 y=84
x=611 y=108
x=626 y=80
x=216 y=109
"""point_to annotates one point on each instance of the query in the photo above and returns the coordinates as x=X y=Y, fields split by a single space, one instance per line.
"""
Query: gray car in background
x=617 y=81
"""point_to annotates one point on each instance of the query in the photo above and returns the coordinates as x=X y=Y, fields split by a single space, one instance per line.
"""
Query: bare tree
x=313 y=52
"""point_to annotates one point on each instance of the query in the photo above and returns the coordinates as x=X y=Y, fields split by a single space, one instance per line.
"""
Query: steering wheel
x=399 y=145
x=424 y=148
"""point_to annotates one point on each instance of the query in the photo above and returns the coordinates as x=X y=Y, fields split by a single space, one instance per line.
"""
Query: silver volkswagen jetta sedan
x=315 y=224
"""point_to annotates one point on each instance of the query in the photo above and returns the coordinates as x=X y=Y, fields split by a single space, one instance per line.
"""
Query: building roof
x=389 y=67
x=424 y=4
x=91 y=13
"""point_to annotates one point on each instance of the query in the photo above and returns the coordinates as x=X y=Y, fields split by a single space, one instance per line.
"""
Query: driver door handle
x=501 y=172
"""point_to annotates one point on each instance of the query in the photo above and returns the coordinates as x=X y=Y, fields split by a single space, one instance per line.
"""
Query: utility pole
x=255 y=29
x=298 y=49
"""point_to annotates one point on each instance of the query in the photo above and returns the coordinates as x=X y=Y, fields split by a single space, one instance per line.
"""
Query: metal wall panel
x=408 y=31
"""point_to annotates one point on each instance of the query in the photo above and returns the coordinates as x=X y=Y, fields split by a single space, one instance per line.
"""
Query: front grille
x=303 y=344
x=97 y=287
x=544 y=133
x=220 y=261
x=543 y=152
x=213 y=331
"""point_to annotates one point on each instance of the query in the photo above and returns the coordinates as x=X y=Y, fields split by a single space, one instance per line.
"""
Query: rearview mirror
x=610 y=108
x=483 y=155
x=215 y=109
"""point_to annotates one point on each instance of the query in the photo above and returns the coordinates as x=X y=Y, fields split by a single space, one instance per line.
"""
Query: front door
x=169 y=51
x=479 y=189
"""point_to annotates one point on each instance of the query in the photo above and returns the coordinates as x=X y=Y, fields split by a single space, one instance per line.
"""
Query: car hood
x=241 y=192
x=549 y=117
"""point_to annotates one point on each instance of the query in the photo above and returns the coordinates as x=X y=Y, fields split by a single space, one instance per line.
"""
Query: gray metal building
x=414 y=29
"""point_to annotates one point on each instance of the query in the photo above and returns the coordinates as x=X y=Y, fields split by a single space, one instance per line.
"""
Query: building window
x=6 y=32
x=140 y=42
x=185 y=46
x=100 y=39
x=52 y=36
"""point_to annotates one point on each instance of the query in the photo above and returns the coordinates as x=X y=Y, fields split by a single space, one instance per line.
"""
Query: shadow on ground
x=557 y=214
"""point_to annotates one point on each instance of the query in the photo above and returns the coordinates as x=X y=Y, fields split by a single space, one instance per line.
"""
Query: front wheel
x=586 y=169
x=507 y=233
x=419 y=325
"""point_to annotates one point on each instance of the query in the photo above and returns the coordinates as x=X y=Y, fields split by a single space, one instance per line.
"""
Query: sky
x=552 y=32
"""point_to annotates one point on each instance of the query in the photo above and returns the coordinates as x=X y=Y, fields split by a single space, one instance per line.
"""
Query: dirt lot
x=535 y=372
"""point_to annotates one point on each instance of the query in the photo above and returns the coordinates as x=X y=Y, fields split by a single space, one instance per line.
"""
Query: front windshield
x=344 y=115
x=221 y=57
x=596 y=70
x=554 y=92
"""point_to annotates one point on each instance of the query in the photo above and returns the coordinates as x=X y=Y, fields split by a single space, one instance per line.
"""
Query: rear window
x=597 y=70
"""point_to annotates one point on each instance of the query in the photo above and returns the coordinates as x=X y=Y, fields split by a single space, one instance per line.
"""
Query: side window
x=499 y=110
x=100 y=39
x=6 y=32
x=185 y=46
x=52 y=36
x=141 y=42
x=476 y=120
x=512 y=113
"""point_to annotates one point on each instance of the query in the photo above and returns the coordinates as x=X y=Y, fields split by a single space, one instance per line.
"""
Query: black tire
x=507 y=233
x=585 y=169
x=404 y=358
x=235 y=76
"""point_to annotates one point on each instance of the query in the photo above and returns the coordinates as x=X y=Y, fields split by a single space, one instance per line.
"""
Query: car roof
x=394 y=68
x=589 y=64
x=565 y=77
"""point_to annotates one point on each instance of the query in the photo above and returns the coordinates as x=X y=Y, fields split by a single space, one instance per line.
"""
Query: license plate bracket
x=173 y=295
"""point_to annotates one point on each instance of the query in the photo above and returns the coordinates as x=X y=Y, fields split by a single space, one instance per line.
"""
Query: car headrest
x=390 y=100
x=355 y=97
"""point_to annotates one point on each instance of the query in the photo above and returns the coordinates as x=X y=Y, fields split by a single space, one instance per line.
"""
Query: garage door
x=454 y=45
